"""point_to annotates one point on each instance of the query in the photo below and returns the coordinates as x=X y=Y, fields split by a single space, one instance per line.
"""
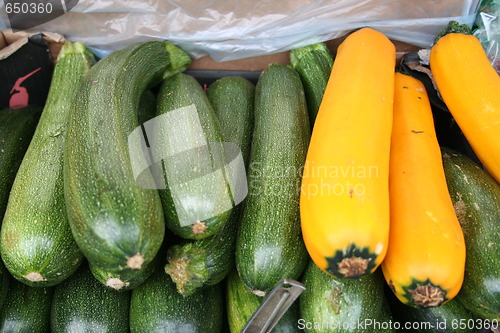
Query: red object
x=20 y=96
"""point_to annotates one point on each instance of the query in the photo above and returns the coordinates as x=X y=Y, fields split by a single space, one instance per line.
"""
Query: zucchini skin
x=156 y=306
x=83 y=304
x=28 y=309
x=338 y=301
x=476 y=198
x=269 y=246
x=207 y=261
x=233 y=100
x=314 y=65
x=117 y=224
x=197 y=123
x=130 y=279
x=241 y=304
x=16 y=130
x=36 y=241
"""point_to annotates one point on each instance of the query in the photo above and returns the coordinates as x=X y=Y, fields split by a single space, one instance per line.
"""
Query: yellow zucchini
x=425 y=261
x=344 y=203
x=470 y=87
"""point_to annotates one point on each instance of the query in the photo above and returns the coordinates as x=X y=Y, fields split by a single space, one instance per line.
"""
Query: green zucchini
x=4 y=283
x=269 y=246
x=83 y=304
x=339 y=305
x=16 y=130
x=156 y=306
x=242 y=304
x=117 y=223
x=207 y=261
x=233 y=100
x=440 y=319
x=27 y=309
x=476 y=198
x=36 y=241
x=197 y=200
x=204 y=262
x=314 y=65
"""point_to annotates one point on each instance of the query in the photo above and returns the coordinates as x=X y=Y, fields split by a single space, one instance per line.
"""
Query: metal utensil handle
x=274 y=306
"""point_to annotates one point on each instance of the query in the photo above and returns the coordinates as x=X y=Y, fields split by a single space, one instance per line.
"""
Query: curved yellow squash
x=425 y=261
x=344 y=203
x=470 y=87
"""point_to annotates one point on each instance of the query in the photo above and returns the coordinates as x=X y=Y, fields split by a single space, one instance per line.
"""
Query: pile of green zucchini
x=86 y=249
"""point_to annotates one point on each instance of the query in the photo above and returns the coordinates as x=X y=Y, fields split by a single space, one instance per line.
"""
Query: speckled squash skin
x=195 y=264
x=156 y=306
x=117 y=224
x=270 y=245
x=36 y=241
x=341 y=302
x=183 y=95
x=83 y=304
x=476 y=198
x=27 y=309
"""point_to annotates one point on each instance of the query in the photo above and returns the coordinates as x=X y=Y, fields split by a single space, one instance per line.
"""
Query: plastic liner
x=487 y=30
x=229 y=30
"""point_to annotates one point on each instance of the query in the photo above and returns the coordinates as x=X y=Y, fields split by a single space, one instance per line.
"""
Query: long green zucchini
x=241 y=304
x=314 y=64
x=476 y=198
x=207 y=261
x=27 y=309
x=36 y=241
x=83 y=304
x=16 y=130
x=197 y=200
x=269 y=245
x=117 y=224
x=156 y=306
x=333 y=305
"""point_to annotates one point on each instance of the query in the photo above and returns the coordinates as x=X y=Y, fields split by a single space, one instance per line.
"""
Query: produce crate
x=207 y=71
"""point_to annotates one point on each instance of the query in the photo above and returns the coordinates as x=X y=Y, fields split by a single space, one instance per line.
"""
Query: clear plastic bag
x=229 y=30
x=487 y=30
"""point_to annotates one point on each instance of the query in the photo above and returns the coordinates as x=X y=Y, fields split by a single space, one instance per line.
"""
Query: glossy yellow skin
x=470 y=87
x=425 y=241
x=344 y=197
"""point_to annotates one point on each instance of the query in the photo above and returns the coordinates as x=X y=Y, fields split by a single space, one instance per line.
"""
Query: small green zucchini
x=36 y=241
x=314 y=64
x=197 y=201
x=83 y=304
x=156 y=306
